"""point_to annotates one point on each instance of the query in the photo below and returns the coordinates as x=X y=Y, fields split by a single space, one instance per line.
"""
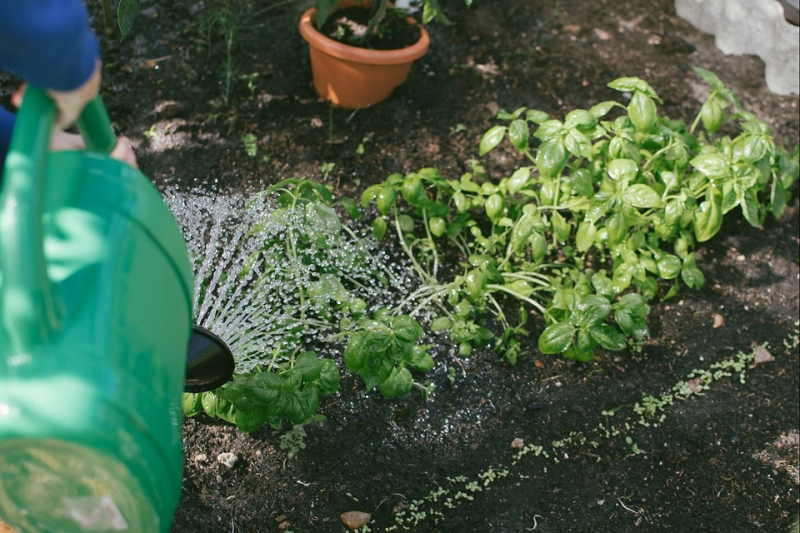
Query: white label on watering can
x=96 y=513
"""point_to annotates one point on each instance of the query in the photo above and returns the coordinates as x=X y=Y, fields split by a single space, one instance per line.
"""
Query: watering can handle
x=27 y=309
x=95 y=127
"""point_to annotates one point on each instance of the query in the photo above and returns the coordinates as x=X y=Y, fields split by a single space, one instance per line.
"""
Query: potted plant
x=350 y=66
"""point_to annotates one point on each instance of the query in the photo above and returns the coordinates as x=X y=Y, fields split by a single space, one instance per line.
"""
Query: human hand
x=71 y=103
x=123 y=151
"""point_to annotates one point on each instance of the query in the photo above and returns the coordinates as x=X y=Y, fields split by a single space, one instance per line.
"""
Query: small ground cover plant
x=603 y=215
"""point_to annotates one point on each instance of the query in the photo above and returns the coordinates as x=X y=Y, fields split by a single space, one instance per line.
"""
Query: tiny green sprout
x=250 y=146
x=634 y=447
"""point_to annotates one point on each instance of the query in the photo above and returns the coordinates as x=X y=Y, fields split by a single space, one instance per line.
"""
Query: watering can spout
x=209 y=362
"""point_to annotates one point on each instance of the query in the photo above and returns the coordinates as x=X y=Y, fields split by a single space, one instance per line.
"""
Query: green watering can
x=95 y=320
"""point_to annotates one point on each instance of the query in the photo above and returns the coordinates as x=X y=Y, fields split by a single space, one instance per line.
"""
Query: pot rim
x=362 y=55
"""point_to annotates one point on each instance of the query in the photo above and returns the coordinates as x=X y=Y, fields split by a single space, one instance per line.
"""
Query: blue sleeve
x=47 y=43
x=6 y=125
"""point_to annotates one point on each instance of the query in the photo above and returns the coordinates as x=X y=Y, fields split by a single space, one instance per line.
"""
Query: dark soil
x=351 y=25
x=723 y=461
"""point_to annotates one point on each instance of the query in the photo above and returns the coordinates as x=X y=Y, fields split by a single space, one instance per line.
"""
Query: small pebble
x=227 y=458
x=355 y=519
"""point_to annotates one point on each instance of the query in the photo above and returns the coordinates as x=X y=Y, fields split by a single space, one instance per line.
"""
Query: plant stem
x=517 y=295
x=420 y=271
x=432 y=244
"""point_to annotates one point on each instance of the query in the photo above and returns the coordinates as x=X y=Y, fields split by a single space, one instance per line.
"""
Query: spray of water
x=273 y=280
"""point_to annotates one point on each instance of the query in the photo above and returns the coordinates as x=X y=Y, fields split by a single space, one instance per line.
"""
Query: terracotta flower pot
x=353 y=77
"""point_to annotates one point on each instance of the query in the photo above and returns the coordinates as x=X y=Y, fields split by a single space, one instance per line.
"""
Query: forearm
x=48 y=43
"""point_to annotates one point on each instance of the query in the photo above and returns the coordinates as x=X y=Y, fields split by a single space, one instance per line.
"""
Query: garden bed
x=547 y=445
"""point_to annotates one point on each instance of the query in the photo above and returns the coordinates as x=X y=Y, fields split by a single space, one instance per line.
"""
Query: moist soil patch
x=350 y=25
x=504 y=444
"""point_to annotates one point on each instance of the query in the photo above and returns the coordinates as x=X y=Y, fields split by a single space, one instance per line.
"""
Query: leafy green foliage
x=312 y=279
x=604 y=212
x=383 y=348
x=291 y=391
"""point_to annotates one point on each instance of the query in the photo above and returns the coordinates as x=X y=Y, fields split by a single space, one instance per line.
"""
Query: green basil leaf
x=249 y=420
x=625 y=85
x=692 y=276
x=520 y=287
x=538 y=246
x=585 y=342
x=556 y=338
x=397 y=385
x=642 y=112
x=621 y=279
x=369 y=194
x=593 y=309
x=518 y=134
x=669 y=266
x=536 y=116
x=519 y=179
x=311 y=397
x=376 y=371
x=551 y=157
x=578 y=144
x=549 y=130
x=617 y=226
x=603 y=108
x=407 y=223
x=442 y=323
x=608 y=337
x=730 y=196
x=622 y=169
x=642 y=196
x=709 y=77
x=406 y=328
x=711 y=115
x=777 y=199
x=712 y=165
x=749 y=205
x=576 y=354
x=264 y=388
x=378 y=228
x=581 y=119
x=297 y=408
x=191 y=403
x=584 y=237
x=708 y=216
x=561 y=228
x=216 y=405
x=354 y=352
x=351 y=207
x=419 y=359
x=505 y=115
x=308 y=365
x=631 y=302
x=624 y=320
x=788 y=169
x=329 y=378
x=491 y=139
